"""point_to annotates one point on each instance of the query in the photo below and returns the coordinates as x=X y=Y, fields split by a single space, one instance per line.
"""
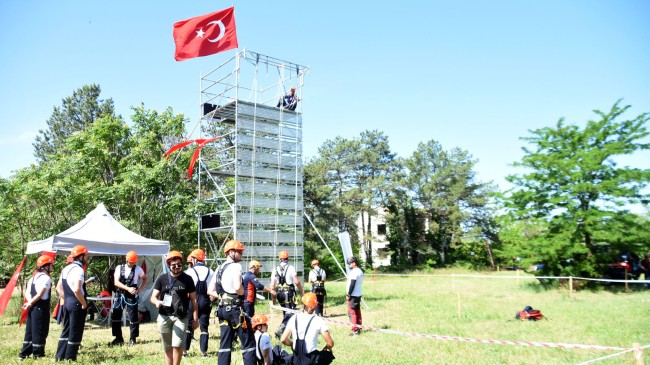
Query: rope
x=612 y=355
x=467 y=339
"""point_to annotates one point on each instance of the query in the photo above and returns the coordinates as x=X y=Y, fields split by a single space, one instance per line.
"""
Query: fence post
x=517 y=276
x=570 y=287
x=638 y=354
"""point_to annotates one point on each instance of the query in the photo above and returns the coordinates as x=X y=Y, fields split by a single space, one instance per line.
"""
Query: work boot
x=280 y=330
x=132 y=342
x=116 y=342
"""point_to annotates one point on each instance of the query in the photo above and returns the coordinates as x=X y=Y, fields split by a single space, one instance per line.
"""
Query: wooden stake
x=570 y=287
x=638 y=354
x=517 y=276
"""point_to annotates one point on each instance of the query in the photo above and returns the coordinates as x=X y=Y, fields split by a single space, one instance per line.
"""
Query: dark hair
x=352 y=259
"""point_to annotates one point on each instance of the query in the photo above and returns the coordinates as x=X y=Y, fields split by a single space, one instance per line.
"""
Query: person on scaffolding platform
x=126 y=278
x=290 y=100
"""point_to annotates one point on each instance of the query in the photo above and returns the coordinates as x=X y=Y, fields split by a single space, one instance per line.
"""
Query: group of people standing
x=183 y=299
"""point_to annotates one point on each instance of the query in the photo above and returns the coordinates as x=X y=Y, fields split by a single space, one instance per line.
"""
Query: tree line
x=568 y=209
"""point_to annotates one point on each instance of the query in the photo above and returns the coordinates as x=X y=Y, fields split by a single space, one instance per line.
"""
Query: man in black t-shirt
x=172 y=293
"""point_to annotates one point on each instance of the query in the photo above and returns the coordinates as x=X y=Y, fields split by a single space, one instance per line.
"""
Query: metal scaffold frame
x=251 y=176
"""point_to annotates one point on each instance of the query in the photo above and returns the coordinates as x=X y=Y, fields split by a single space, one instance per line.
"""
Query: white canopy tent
x=102 y=235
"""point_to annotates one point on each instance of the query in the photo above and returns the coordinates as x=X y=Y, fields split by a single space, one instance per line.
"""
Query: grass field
x=428 y=305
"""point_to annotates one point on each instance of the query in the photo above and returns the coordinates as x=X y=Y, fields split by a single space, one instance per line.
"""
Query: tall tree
x=444 y=184
x=575 y=184
x=372 y=168
x=75 y=113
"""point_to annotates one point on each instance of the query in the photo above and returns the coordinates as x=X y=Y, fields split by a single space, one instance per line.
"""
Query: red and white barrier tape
x=467 y=339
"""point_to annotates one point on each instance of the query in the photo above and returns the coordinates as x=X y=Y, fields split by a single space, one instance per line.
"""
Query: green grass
x=428 y=305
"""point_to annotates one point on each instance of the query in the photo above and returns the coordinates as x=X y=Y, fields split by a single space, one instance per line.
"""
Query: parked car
x=627 y=267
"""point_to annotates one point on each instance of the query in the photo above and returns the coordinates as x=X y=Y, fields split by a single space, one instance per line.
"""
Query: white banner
x=346 y=247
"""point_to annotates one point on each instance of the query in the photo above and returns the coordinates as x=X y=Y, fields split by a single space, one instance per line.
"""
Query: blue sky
x=471 y=74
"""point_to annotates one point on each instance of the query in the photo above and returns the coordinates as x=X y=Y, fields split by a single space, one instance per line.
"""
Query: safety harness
x=228 y=301
x=123 y=297
x=318 y=286
x=285 y=292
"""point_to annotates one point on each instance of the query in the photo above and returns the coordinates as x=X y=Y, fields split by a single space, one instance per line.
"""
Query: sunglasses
x=175 y=265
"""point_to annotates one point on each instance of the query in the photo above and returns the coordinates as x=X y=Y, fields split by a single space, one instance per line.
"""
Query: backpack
x=530 y=314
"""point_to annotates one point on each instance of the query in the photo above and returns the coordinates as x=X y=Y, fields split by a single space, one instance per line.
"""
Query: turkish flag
x=205 y=35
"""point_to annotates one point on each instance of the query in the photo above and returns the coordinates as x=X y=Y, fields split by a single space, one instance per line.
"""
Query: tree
x=76 y=112
x=372 y=169
x=445 y=186
x=575 y=184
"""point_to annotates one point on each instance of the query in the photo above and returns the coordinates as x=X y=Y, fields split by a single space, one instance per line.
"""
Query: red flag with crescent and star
x=205 y=35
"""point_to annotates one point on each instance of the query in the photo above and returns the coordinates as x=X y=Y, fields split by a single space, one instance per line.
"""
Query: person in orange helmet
x=37 y=305
x=201 y=275
x=172 y=293
x=264 y=352
x=317 y=277
x=127 y=294
x=284 y=280
x=227 y=286
x=251 y=286
x=309 y=326
x=72 y=284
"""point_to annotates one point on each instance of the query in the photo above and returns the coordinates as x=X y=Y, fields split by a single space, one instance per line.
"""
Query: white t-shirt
x=74 y=273
x=355 y=274
x=228 y=278
x=42 y=281
x=265 y=343
x=127 y=271
x=317 y=327
x=289 y=273
x=314 y=273
x=204 y=273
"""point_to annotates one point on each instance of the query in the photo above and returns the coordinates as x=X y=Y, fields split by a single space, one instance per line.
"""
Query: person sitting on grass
x=304 y=328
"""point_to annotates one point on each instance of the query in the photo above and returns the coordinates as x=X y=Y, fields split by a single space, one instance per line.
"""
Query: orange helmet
x=198 y=254
x=254 y=264
x=233 y=245
x=44 y=260
x=131 y=256
x=284 y=254
x=314 y=262
x=173 y=255
x=310 y=300
x=258 y=320
x=78 y=251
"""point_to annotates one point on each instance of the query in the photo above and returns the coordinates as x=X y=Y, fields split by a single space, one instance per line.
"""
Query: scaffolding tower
x=250 y=178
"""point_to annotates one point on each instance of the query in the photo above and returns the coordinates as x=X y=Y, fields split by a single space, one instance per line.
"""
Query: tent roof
x=102 y=235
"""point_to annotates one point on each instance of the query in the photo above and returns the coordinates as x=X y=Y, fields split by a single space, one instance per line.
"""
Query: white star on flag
x=200 y=33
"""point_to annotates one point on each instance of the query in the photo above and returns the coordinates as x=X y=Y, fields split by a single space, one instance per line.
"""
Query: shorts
x=172 y=331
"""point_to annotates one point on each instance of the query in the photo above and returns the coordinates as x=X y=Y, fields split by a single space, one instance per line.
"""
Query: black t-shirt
x=182 y=284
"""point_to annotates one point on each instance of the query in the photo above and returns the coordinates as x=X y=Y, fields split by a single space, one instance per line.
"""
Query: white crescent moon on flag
x=222 y=30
